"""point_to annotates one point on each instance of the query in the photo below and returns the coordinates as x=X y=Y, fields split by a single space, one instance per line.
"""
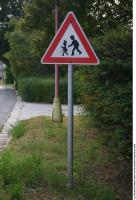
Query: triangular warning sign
x=70 y=45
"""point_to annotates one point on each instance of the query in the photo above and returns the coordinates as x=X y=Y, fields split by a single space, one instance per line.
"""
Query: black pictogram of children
x=64 y=47
x=75 y=45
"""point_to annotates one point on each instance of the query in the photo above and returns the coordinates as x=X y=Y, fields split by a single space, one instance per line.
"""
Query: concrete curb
x=14 y=116
x=11 y=121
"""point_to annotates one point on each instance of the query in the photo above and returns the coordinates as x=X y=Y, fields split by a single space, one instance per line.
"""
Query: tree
x=111 y=14
x=8 y=8
x=99 y=14
x=95 y=16
x=20 y=55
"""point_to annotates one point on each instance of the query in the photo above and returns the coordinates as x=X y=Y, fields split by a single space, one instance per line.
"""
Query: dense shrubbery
x=106 y=91
x=23 y=58
x=9 y=76
x=36 y=89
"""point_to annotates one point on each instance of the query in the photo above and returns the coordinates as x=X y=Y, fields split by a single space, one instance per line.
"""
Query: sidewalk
x=25 y=110
x=35 y=109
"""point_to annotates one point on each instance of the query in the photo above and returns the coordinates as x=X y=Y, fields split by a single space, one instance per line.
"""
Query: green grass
x=18 y=130
x=34 y=165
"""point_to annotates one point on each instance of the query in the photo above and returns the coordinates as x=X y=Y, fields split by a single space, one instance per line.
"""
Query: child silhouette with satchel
x=64 y=47
x=75 y=44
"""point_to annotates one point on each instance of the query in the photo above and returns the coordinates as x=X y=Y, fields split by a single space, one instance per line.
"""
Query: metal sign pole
x=70 y=127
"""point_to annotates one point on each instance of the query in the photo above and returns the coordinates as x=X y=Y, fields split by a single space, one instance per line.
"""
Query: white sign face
x=70 y=45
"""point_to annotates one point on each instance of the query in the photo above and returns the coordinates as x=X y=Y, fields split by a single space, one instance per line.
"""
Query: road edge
x=11 y=121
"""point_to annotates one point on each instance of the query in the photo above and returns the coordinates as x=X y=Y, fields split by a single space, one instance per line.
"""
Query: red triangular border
x=70 y=19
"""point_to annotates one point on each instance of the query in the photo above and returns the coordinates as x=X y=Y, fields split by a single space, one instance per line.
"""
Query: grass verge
x=34 y=165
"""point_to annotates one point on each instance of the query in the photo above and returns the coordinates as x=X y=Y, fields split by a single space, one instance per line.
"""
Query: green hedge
x=36 y=89
x=9 y=76
x=106 y=91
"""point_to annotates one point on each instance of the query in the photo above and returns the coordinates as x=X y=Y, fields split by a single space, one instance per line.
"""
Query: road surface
x=7 y=102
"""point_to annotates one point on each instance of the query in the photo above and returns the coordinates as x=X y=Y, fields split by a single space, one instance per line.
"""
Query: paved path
x=29 y=110
x=7 y=102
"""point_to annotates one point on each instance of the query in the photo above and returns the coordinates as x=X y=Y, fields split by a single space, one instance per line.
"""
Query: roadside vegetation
x=35 y=89
x=103 y=142
x=34 y=164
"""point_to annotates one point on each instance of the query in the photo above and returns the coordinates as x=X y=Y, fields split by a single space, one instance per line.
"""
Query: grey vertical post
x=70 y=127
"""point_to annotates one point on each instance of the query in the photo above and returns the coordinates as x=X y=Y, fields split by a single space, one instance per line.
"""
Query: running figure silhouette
x=75 y=44
x=64 y=47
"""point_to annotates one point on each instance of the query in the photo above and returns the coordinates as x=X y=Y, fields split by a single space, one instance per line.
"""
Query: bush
x=9 y=76
x=18 y=130
x=15 y=191
x=15 y=170
x=36 y=89
x=106 y=91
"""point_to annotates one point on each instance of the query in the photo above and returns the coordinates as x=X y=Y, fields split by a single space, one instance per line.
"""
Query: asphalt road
x=7 y=102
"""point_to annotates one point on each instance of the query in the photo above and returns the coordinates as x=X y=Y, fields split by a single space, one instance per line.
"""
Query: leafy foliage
x=3 y=43
x=35 y=89
x=18 y=130
x=21 y=59
x=8 y=8
x=106 y=90
x=37 y=26
x=99 y=14
x=9 y=76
